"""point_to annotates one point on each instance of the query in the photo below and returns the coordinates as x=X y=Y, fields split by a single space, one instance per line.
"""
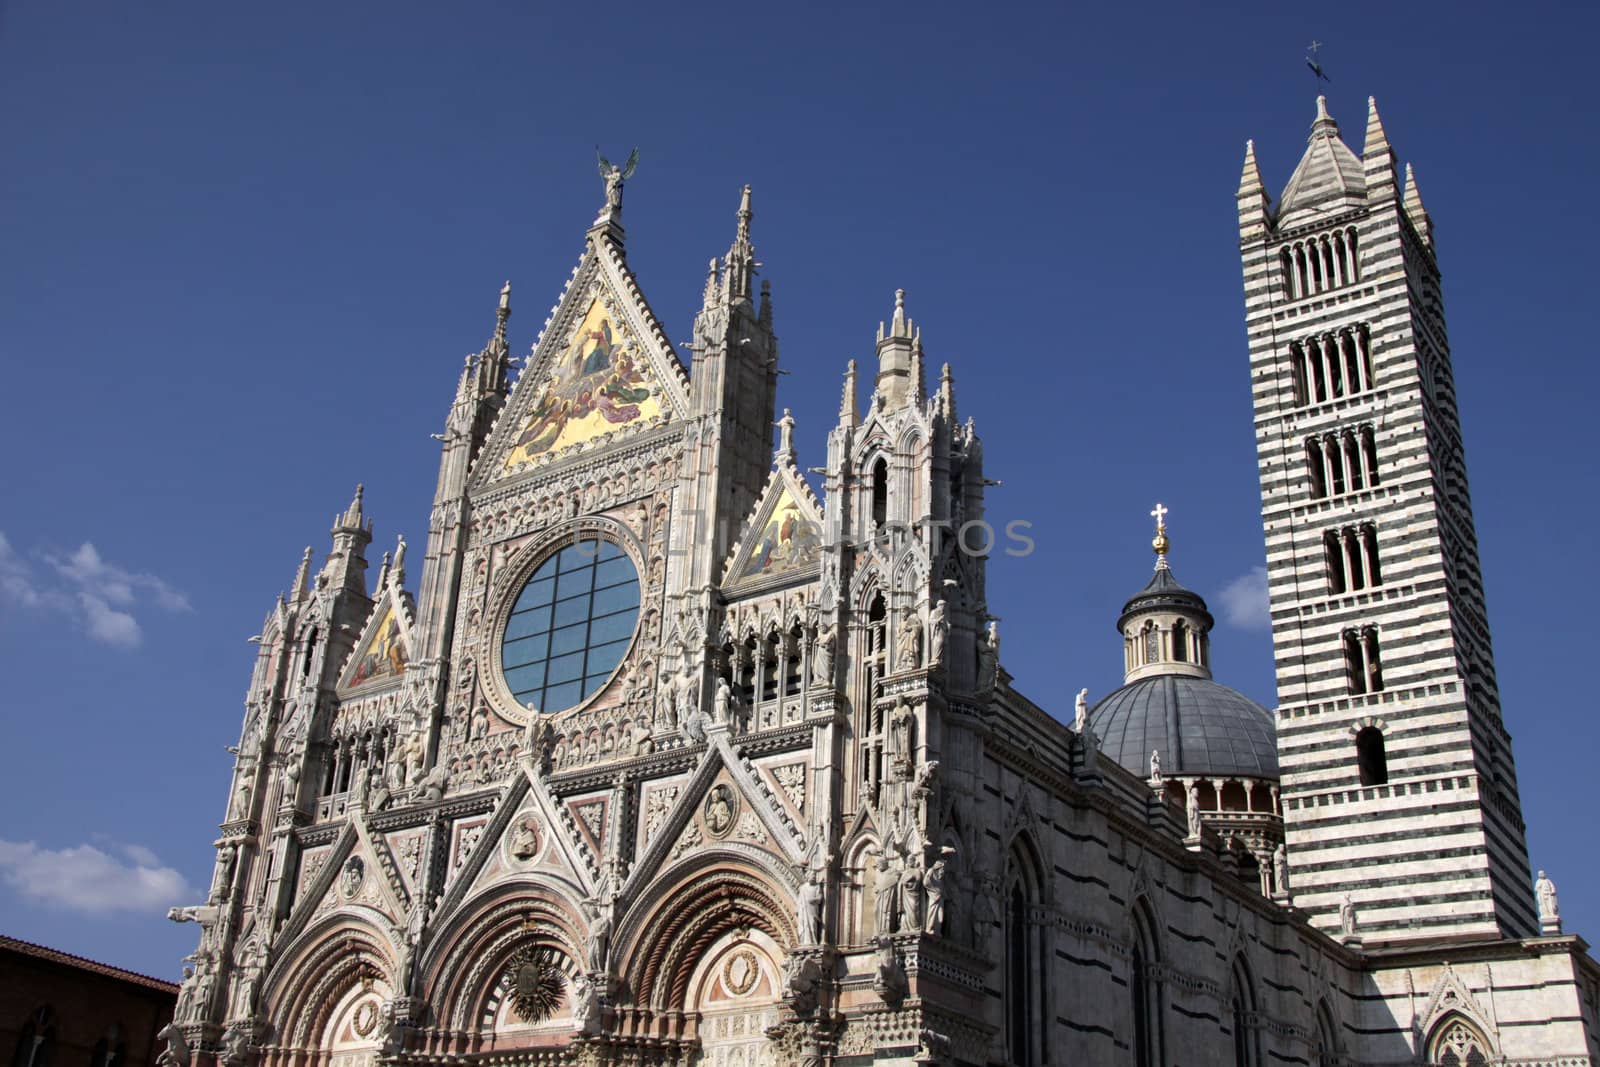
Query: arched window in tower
x=1333 y=550
x=880 y=493
x=1355 y=672
x=793 y=642
x=1355 y=258
x=1152 y=643
x=1369 y=644
x=1369 y=553
x=1316 y=471
x=1180 y=642
x=1370 y=758
x=1242 y=1006
x=1286 y=273
x=1456 y=1043
x=1369 y=455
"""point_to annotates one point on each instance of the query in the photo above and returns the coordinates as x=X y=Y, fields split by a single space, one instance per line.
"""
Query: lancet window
x=1371 y=761
x=1342 y=462
x=1352 y=558
x=1331 y=365
x=1362 y=662
x=1317 y=264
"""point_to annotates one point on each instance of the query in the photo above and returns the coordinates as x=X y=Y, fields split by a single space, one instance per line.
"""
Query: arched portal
x=737 y=989
x=354 y=1032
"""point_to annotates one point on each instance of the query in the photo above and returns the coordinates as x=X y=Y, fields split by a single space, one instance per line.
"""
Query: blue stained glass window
x=570 y=626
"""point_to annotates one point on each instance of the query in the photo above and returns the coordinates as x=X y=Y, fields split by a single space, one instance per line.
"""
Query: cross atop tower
x=1160 y=542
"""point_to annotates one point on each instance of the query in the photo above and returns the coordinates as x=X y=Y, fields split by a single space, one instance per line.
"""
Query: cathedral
x=657 y=753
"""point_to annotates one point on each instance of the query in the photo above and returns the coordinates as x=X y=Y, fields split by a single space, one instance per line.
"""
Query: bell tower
x=1399 y=792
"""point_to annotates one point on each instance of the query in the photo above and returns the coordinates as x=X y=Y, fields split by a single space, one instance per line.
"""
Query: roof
x=1328 y=180
x=1200 y=727
x=1164 y=593
x=67 y=959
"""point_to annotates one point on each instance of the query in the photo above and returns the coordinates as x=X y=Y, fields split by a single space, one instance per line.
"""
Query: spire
x=383 y=575
x=919 y=384
x=742 y=254
x=896 y=348
x=1254 y=204
x=302 y=578
x=713 y=290
x=352 y=519
x=1377 y=157
x=1420 y=219
x=1161 y=543
x=503 y=313
x=947 y=394
x=1329 y=177
x=848 y=411
x=765 y=314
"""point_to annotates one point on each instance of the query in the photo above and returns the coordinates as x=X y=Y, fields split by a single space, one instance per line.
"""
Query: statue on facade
x=1280 y=868
x=890 y=978
x=240 y=808
x=222 y=884
x=1347 y=916
x=809 y=911
x=900 y=730
x=585 y=1006
x=800 y=977
x=1192 y=806
x=687 y=693
x=411 y=757
x=886 y=898
x=1155 y=769
x=933 y=884
x=176 y=1052
x=822 y=656
x=911 y=899
x=1080 y=713
x=989 y=657
x=597 y=946
x=908 y=645
x=614 y=176
x=939 y=629
x=1549 y=909
x=722 y=711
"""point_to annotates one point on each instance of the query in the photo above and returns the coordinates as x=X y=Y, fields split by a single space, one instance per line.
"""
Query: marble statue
x=1280 y=868
x=1347 y=915
x=908 y=646
x=597 y=946
x=911 y=899
x=721 y=708
x=1080 y=712
x=933 y=885
x=822 y=656
x=886 y=894
x=1549 y=909
x=809 y=912
x=939 y=628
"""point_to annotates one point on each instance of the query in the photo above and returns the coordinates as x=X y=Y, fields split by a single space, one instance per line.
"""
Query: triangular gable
x=385 y=646
x=782 y=542
x=602 y=369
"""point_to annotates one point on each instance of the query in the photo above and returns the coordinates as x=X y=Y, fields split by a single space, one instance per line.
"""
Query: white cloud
x=1244 y=600
x=89 y=880
x=100 y=595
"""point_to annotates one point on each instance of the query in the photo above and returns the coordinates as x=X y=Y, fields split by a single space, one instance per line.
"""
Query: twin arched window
x=36 y=1041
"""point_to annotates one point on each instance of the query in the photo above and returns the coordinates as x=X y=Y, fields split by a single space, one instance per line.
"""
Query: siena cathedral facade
x=659 y=755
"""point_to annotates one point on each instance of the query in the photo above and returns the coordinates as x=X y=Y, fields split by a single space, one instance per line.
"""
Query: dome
x=1199 y=726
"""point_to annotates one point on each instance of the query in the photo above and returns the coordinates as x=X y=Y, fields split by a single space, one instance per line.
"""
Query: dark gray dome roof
x=1198 y=726
x=1164 y=593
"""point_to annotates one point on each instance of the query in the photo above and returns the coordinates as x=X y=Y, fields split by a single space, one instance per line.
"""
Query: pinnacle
x=1377 y=140
x=1250 y=177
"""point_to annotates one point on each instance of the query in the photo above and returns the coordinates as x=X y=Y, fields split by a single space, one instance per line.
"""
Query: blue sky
x=247 y=247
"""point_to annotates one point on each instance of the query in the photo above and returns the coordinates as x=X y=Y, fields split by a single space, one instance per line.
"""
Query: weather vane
x=1311 y=61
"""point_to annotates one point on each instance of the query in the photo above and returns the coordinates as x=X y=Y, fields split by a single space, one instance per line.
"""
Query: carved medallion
x=525 y=839
x=350 y=879
x=740 y=973
x=722 y=807
x=366 y=1018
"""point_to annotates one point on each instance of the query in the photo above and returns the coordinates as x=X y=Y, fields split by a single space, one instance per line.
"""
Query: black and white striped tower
x=1398 y=786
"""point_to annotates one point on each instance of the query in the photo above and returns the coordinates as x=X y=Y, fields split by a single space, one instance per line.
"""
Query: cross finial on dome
x=1160 y=543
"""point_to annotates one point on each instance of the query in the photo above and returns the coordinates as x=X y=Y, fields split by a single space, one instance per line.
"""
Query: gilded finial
x=1160 y=542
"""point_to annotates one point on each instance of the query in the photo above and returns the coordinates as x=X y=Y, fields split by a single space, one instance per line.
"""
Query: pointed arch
x=668 y=927
x=1242 y=1010
x=460 y=972
x=319 y=968
x=1458 y=1042
x=1145 y=1005
x=1023 y=949
x=1326 y=1052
